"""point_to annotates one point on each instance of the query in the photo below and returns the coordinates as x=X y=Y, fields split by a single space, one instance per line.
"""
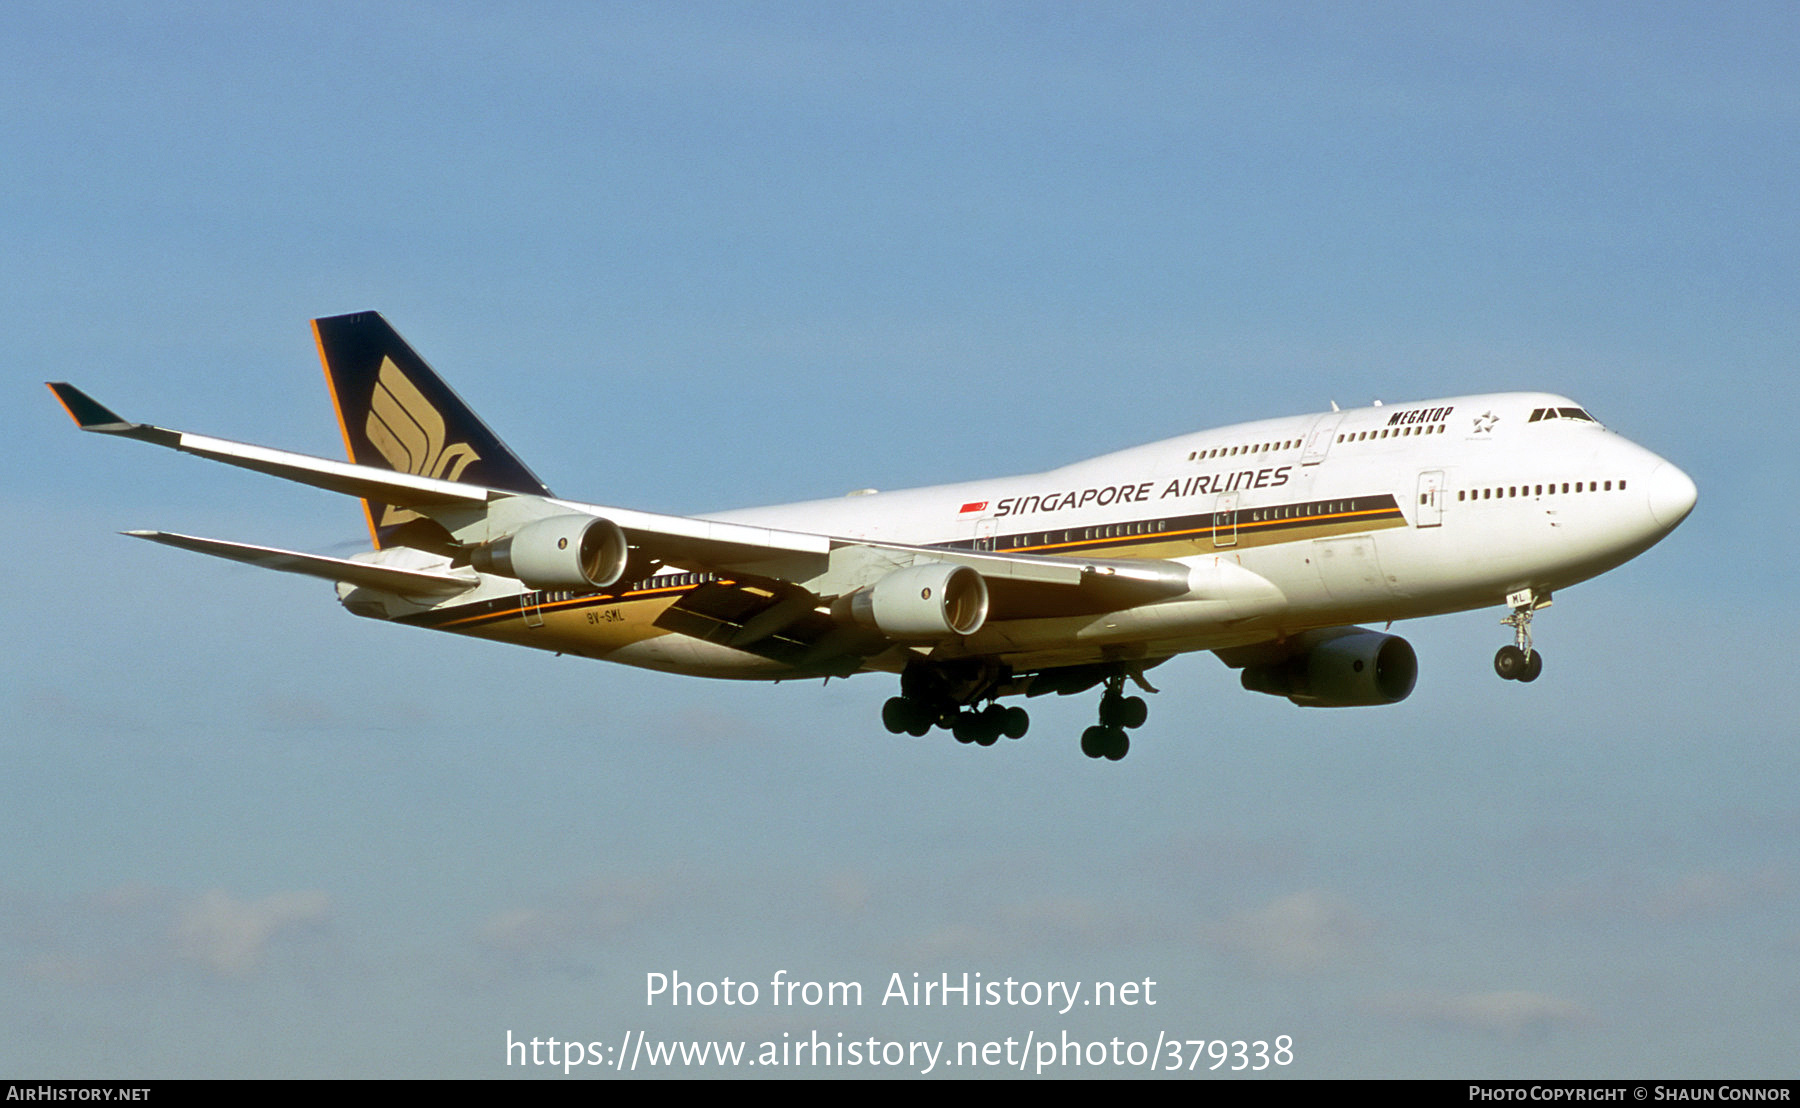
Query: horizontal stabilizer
x=411 y=582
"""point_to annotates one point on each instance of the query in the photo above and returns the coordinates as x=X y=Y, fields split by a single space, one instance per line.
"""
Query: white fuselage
x=1283 y=526
x=1489 y=503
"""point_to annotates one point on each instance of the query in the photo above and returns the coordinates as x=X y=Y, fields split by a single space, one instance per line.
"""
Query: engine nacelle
x=922 y=603
x=1341 y=669
x=562 y=552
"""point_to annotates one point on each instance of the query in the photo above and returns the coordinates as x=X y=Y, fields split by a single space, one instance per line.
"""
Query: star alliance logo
x=409 y=433
x=1485 y=422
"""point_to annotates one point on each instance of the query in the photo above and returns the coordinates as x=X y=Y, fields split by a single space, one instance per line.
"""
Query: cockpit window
x=1561 y=413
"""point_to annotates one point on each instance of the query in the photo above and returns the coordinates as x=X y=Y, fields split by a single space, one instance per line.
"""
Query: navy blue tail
x=397 y=414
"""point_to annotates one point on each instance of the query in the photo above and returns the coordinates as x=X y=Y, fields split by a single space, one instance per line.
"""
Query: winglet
x=89 y=414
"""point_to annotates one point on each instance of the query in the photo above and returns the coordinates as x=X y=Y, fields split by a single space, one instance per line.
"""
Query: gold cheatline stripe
x=589 y=598
x=1240 y=525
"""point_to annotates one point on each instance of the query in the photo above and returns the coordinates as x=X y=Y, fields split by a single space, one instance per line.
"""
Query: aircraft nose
x=1671 y=494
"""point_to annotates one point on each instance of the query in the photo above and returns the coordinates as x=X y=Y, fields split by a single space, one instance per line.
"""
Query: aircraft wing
x=407 y=582
x=716 y=544
x=476 y=513
x=345 y=477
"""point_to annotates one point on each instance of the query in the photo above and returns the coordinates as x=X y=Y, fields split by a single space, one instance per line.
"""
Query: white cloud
x=1304 y=932
x=595 y=912
x=231 y=937
x=133 y=933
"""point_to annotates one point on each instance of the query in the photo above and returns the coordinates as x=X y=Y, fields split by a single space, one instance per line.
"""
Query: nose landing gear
x=1519 y=662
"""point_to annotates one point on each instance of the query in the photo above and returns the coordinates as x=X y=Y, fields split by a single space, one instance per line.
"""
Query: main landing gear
x=982 y=726
x=1117 y=712
x=1519 y=662
x=947 y=695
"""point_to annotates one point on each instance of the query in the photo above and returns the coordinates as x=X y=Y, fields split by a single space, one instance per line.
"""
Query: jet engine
x=1340 y=668
x=562 y=552
x=921 y=603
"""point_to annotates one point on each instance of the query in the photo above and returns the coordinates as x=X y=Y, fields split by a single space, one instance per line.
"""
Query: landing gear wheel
x=1016 y=724
x=1094 y=740
x=902 y=715
x=1519 y=662
x=1118 y=744
x=993 y=723
x=981 y=728
x=1123 y=711
x=1105 y=742
x=1510 y=663
x=1534 y=665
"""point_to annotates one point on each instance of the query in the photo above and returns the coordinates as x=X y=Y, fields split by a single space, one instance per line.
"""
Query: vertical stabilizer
x=397 y=414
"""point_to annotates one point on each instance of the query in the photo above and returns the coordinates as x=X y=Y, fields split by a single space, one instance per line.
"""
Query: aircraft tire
x=1018 y=721
x=1509 y=663
x=993 y=724
x=1533 y=667
x=897 y=714
x=1118 y=744
x=1133 y=712
x=972 y=727
x=1093 y=742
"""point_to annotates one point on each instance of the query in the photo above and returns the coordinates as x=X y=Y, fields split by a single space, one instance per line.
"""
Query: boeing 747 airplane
x=1266 y=543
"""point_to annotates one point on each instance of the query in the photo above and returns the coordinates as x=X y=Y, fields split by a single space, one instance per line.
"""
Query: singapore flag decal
x=973 y=506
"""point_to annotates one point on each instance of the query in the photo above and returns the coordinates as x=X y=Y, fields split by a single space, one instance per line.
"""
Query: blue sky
x=692 y=257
